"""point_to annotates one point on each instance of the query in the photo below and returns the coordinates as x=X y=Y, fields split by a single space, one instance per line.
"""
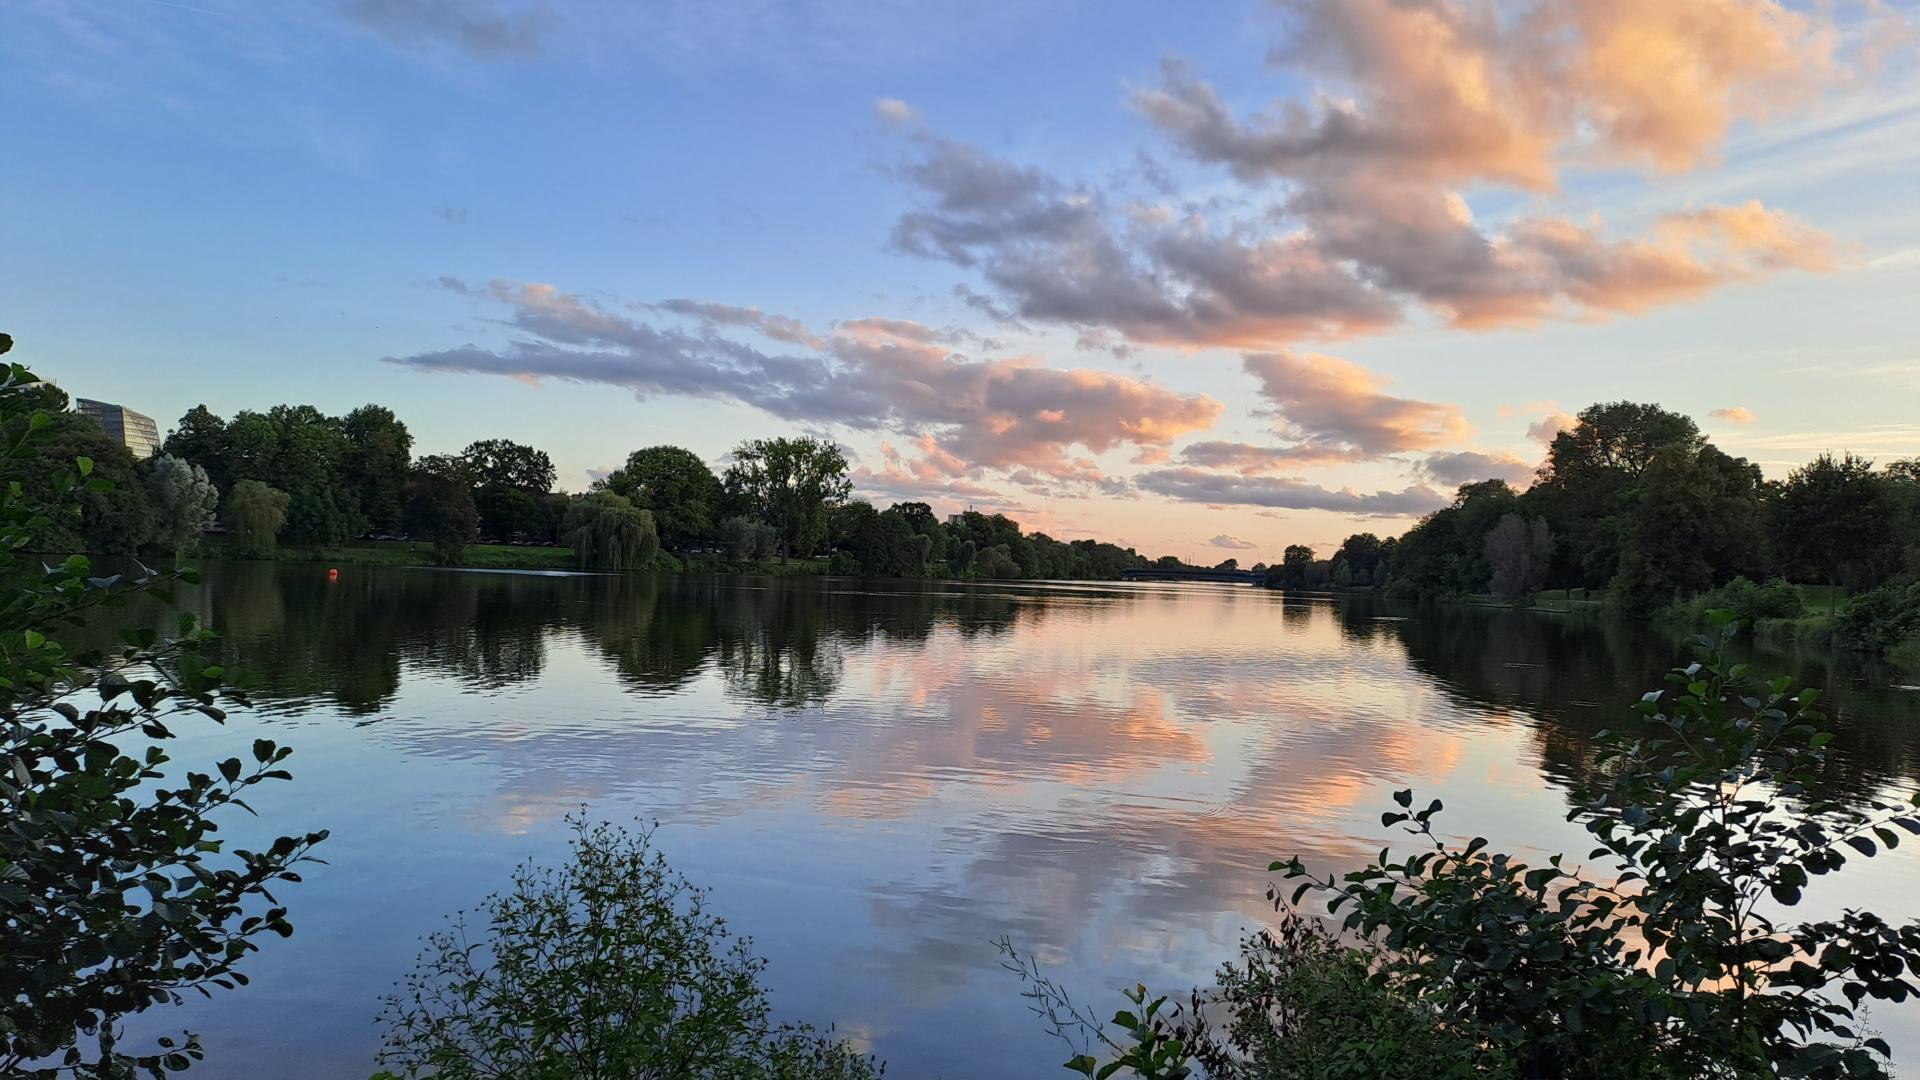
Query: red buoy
x=333 y=575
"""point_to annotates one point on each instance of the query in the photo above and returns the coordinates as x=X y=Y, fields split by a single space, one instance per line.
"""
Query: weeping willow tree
x=607 y=532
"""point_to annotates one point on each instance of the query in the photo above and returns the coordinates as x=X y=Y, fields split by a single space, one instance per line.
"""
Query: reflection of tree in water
x=1577 y=676
x=293 y=636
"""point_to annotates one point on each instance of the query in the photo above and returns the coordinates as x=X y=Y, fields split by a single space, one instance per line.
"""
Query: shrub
x=1881 y=619
x=116 y=892
x=609 y=965
x=1749 y=602
x=1664 y=957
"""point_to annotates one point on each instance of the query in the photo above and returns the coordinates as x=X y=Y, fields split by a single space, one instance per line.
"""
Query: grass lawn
x=406 y=553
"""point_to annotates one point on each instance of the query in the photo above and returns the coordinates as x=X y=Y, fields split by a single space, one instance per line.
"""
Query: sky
x=1204 y=279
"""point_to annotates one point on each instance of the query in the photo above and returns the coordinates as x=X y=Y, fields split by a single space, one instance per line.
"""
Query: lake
x=878 y=779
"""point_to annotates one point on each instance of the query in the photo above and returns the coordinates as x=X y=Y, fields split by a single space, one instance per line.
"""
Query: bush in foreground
x=1668 y=955
x=607 y=967
x=116 y=892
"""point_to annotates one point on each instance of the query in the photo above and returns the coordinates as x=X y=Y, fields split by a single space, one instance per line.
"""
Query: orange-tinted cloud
x=1036 y=424
x=1356 y=215
x=1738 y=414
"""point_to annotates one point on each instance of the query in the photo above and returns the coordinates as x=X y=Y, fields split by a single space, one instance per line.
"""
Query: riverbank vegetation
x=117 y=892
x=1635 y=505
x=1668 y=950
x=295 y=483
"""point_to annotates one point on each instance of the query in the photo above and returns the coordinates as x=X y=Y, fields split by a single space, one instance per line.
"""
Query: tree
x=256 y=513
x=1694 y=521
x=609 y=965
x=309 y=464
x=995 y=562
x=1227 y=564
x=1591 y=474
x=201 y=439
x=185 y=499
x=677 y=487
x=116 y=892
x=510 y=482
x=747 y=540
x=1295 y=562
x=789 y=484
x=380 y=451
x=116 y=511
x=1520 y=552
x=440 y=507
x=503 y=461
x=606 y=532
x=1363 y=554
x=1833 y=521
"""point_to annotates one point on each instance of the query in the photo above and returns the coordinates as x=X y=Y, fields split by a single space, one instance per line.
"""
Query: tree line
x=299 y=476
x=1635 y=501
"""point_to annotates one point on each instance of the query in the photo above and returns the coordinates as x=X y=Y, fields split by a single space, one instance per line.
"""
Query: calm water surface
x=878 y=779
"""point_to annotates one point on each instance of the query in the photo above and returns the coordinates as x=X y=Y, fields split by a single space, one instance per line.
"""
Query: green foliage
x=376 y=466
x=510 y=482
x=1882 y=619
x=996 y=562
x=1835 y=520
x=184 y=501
x=1446 y=553
x=790 y=484
x=1668 y=954
x=746 y=539
x=609 y=965
x=607 y=533
x=677 y=487
x=1749 y=601
x=439 y=507
x=256 y=513
x=1663 y=957
x=116 y=892
x=1518 y=554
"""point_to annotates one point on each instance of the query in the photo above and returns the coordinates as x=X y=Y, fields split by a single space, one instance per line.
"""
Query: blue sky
x=246 y=204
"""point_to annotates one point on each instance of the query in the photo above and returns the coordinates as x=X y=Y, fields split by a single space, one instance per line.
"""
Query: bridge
x=1192 y=573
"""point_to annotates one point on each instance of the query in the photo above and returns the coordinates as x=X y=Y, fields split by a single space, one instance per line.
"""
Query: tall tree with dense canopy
x=1591 y=475
x=201 y=439
x=677 y=487
x=790 y=484
x=1833 y=521
x=440 y=508
x=380 y=451
x=510 y=484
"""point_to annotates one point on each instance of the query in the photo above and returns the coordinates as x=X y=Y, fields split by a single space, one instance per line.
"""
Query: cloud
x=1233 y=542
x=453 y=215
x=778 y=327
x=1249 y=458
x=1453 y=469
x=1325 y=401
x=467 y=25
x=965 y=415
x=1354 y=217
x=1545 y=429
x=1285 y=493
x=895 y=111
x=1446 y=93
x=1738 y=414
